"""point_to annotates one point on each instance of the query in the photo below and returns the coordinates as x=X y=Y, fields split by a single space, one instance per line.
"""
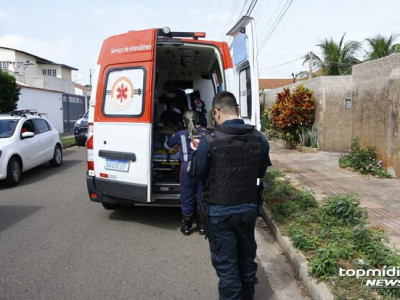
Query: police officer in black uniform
x=229 y=160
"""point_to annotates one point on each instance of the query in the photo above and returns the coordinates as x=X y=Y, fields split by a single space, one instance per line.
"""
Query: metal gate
x=73 y=110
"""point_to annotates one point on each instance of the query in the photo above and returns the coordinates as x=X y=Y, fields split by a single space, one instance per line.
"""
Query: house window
x=4 y=65
x=50 y=72
x=347 y=103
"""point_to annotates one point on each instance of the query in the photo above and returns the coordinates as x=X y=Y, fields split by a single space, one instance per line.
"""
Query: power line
x=262 y=12
x=227 y=19
x=277 y=23
x=244 y=6
x=251 y=7
x=286 y=63
x=236 y=17
x=269 y=21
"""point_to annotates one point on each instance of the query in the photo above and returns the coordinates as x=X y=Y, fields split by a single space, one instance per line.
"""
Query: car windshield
x=7 y=127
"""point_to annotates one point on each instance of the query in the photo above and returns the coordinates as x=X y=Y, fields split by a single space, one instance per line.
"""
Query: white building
x=46 y=86
x=85 y=91
x=32 y=70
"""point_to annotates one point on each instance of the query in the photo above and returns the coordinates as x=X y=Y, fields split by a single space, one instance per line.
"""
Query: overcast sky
x=71 y=31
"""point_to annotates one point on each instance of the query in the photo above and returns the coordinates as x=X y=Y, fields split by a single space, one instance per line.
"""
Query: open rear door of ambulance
x=122 y=127
x=245 y=69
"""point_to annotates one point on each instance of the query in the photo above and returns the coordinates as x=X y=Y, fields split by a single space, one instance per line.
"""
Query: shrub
x=9 y=92
x=265 y=121
x=363 y=160
x=369 y=242
x=309 y=137
x=279 y=190
x=301 y=239
x=305 y=199
x=266 y=126
x=282 y=211
x=345 y=208
x=292 y=111
x=325 y=263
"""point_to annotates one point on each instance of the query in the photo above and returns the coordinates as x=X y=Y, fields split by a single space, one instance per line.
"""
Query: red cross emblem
x=121 y=96
x=122 y=92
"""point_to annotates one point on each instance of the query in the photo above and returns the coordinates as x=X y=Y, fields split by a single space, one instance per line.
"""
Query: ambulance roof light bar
x=166 y=32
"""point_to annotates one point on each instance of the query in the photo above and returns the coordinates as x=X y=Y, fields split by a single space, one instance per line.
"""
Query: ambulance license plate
x=117 y=165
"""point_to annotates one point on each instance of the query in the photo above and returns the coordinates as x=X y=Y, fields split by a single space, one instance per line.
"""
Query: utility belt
x=205 y=209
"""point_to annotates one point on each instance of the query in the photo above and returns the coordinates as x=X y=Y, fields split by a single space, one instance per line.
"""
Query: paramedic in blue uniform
x=229 y=160
x=190 y=189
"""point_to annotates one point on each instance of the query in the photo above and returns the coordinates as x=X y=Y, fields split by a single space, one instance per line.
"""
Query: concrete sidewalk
x=321 y=173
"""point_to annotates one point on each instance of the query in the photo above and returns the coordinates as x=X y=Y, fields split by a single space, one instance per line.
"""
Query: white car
x=26 y=141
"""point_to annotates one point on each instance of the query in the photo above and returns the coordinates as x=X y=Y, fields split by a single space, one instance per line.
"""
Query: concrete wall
x=376 y=117
x=65 y=73
x=374 y=94
x=47 y=102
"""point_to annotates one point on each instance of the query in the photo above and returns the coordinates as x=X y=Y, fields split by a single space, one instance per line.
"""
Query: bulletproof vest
x=235 y=161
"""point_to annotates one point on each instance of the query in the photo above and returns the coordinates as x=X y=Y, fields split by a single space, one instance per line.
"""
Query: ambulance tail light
x=90 y=153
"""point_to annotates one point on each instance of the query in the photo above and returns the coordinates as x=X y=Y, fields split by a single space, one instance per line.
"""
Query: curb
x=316 y=290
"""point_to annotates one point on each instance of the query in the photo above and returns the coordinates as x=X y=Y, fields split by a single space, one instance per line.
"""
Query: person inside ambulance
x=195 y=103
x=187 y=140
x=169 y=108
x=172 y=116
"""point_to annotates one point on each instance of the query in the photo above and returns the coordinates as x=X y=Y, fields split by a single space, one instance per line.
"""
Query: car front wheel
x=14 y=171
x=58 y=157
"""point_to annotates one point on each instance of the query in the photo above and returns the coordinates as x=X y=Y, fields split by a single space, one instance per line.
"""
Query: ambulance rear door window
x=245 y=93
x=124 y=94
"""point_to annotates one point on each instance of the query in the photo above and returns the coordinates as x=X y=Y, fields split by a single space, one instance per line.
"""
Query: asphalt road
x=56 y=244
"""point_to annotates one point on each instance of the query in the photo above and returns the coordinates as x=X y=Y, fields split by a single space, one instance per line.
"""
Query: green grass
x=68 y=141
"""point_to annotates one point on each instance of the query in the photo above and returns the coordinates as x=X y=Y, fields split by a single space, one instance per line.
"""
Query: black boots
x=200 y=224
x=187 y=221
x=186 y=224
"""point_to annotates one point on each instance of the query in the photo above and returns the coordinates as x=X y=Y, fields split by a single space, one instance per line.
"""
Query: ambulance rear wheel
x=109 y=206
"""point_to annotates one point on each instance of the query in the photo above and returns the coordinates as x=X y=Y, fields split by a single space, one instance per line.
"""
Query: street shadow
x=11 y=214
x=41 y=172
x=163 y=217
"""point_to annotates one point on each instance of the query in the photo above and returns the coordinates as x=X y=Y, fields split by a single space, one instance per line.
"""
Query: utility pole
x=294 y=76
x=310 y=63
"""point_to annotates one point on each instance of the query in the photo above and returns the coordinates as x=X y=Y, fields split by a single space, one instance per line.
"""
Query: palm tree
x=337 y=58
x=381 y=46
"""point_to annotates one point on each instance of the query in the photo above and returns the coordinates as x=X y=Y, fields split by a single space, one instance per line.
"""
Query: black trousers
x=233 y=251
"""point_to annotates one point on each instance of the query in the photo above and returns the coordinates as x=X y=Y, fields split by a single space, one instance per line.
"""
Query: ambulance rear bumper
x=113 y=192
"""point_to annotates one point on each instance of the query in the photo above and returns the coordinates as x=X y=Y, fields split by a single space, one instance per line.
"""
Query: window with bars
x=4 y=65
x=50 y=72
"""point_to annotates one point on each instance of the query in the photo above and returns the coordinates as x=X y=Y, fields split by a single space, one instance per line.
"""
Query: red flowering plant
x=292 y=111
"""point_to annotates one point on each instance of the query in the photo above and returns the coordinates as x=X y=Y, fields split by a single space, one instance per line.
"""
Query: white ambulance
x=127 y=164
